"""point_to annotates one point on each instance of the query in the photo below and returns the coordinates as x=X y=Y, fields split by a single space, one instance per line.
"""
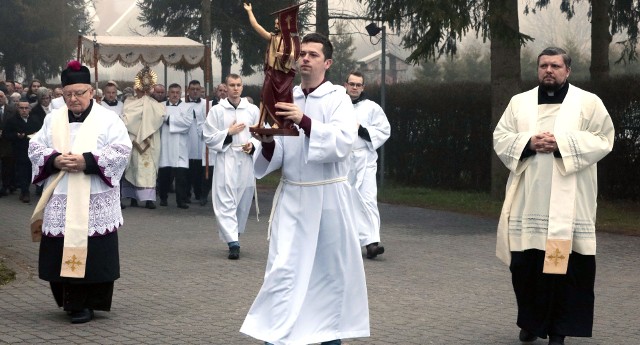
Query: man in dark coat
x=7 y=111
x=17 y=130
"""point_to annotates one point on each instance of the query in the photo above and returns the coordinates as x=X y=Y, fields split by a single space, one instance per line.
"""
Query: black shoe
x=3 y=192
x=150 y=205
x=373 y=250
x=85 y=315
x=556 y=339
x=187 y=200
x=122 y=205
x=234 y=253
x=163 y=202
x=526 y=337
x=203 y=201
x=134 y=203
x=183 y=206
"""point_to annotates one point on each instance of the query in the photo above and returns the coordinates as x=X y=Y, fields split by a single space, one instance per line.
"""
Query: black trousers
x=8 y=173
x=164 y=183
x=196 y=174
x=23 y=175
x=206 y=182
x=75 y=297
x=554 y=304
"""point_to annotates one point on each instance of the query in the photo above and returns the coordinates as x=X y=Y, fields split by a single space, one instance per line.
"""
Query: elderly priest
x=79 y=156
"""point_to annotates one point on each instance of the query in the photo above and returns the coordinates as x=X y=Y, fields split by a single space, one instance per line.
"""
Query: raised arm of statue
x=254 y=23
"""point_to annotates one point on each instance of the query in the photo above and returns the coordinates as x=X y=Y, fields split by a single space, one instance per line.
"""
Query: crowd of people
x=159 y=140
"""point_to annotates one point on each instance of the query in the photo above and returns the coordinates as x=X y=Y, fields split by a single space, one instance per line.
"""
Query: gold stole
x=74 y=254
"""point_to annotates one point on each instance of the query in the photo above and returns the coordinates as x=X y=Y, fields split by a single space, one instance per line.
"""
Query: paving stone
x=437 y=283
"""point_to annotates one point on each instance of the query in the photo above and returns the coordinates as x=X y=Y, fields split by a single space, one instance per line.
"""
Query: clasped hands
x=544 y=142
x=70 y=162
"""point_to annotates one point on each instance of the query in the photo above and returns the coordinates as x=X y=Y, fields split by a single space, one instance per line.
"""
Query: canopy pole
x=95 y=58
x=207 y=79
x=78 y=57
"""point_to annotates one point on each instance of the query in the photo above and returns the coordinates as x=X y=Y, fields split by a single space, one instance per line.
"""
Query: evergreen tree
x=433 y=28
x=229 y=24
x=40 y=50
x=343 y=49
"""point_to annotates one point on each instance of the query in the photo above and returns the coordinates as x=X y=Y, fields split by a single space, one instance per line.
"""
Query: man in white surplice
x=79 y=155
x=226 y=132
x=550 y=138
x=314 y=287
x=373 y=132
x=174 y=154
x=196 y=146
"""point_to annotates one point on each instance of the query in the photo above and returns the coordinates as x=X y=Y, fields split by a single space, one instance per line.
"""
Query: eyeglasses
x=355 y=84
x=78 y=94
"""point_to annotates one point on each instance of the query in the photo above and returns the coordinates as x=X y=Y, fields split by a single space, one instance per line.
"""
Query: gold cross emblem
x=73 y=262
x=557 y=256
x=288 y=19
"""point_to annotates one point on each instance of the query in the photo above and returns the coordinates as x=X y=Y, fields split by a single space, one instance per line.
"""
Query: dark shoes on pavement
x=163 y=202
x=150 y=205
x=556 y=339
x=134 y=203
x=526 y=337
x=183 y=206
x=26 y=198
x=373 y=250
x=82 y=316
x=234 y=253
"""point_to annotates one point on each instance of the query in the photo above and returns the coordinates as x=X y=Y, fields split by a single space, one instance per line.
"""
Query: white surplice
x=195 y=130
x=233 y=180
x=112 y=156
x=175 y=135
x=525 y=222
x=364 y=165
x=118 y=108
x=314 y=286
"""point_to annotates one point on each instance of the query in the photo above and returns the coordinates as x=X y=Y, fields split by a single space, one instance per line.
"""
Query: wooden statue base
x=275 y=131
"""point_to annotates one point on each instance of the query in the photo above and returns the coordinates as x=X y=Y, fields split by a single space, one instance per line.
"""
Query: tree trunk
x=225 y=53
x=600 y=40
x=505 y=73
x=322 y=17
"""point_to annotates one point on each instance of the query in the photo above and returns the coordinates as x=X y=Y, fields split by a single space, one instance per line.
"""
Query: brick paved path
x=438 y=283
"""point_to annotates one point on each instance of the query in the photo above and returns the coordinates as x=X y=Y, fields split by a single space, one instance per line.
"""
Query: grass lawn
x=622 y=217
x=6 y=275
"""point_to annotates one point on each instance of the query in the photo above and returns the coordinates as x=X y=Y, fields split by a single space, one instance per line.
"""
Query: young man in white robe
x=373 y=132
x=79 y=156
x=551 y=138
x=174 y=154
x=196 y=173
x=110 y=99
x=226 y=132
x=314 y=287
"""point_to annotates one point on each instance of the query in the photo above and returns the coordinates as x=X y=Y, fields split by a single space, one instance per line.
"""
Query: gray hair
x=42 y=92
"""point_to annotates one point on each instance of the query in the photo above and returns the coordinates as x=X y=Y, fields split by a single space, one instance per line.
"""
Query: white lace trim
x=104 y=213
x=37 y=153
x=114 y=159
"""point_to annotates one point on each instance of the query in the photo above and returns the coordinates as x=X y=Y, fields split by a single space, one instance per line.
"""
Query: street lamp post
x=373 y=30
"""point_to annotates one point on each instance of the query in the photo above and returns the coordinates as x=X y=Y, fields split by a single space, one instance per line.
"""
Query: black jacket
x=15 y=125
